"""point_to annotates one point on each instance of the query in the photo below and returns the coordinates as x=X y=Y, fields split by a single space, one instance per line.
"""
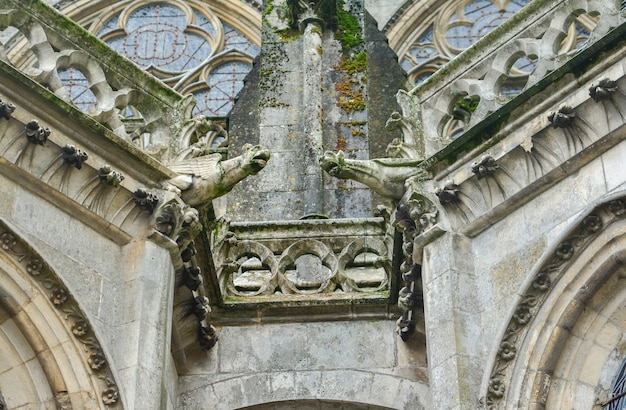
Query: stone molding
x=349 y=385
x=522 y=166
x=546 y=274
x=77 y=322
x=65 y=175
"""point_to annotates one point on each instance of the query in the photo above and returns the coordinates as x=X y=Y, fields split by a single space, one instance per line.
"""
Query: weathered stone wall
x=316 y=91
x=360 y=362
x=508 y=288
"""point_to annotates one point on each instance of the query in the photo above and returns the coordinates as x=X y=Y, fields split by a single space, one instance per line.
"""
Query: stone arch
x=567 y=334
x=260 y=391
x=313 y=405
x=49 y=354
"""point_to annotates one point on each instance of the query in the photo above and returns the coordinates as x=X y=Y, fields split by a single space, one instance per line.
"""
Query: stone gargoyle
x=205 y=178
x=385 y=176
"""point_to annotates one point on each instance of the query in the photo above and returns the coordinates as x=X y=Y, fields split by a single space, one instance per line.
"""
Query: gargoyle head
x=333 y=162
x=255 y=157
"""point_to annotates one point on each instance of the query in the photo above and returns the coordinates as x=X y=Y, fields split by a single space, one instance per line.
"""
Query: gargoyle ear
x=246 y=146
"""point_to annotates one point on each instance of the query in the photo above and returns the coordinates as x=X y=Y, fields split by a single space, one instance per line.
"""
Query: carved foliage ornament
x=6 y=109
x=448 y=193
x=64 y=302
x=110 y=177
x=485 y=166
x=563 y=118
x=536 y=293
x=74 y=156
x=603 y=90
x=145 y=200
x=413 y=217
x=35 y=133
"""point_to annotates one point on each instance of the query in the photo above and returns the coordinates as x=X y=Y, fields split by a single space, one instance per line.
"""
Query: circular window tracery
x=185 y=44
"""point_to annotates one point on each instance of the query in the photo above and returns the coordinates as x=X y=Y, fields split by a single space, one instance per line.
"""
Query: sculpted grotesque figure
x=205 y=178
x=385 y=176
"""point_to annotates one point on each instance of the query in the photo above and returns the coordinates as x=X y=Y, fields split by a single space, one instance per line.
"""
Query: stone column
x=312 y=117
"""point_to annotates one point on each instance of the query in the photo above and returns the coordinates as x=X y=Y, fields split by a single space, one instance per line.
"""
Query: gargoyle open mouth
x=330 y=163
x=259 y=160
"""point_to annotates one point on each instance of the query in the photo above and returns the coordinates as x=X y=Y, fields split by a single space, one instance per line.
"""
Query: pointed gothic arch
x=566 y=335
x=50 y=355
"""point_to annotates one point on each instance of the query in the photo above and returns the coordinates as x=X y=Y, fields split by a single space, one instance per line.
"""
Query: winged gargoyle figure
x=205 y=178
x=385 y=176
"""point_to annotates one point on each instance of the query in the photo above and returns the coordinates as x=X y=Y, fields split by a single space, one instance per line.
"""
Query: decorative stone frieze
x=572 y=135
x=538 y=290
x=75 y=319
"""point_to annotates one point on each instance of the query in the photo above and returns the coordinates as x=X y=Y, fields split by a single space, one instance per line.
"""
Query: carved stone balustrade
x=290 y=261
x=474 y=85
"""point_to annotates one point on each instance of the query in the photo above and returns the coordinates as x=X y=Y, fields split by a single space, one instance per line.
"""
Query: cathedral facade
x=335 y=204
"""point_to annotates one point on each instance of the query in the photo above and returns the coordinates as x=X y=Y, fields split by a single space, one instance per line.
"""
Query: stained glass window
x=224 y=83
x=186 y=45
x=478 y=19
x=618 y=401
x=78 y=88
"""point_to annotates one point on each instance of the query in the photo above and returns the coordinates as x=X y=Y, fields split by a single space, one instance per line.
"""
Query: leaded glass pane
x=224 y=83
x=157 y=37
x=482 y=16
x=234 y=40
x=78 y=88
x=619 y=388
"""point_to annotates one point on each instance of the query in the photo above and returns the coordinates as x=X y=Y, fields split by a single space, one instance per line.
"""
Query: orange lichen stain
x=341 y=143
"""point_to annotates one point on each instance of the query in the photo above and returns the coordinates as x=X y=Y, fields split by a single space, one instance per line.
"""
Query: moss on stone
x=355 y=64
x=348 y=31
